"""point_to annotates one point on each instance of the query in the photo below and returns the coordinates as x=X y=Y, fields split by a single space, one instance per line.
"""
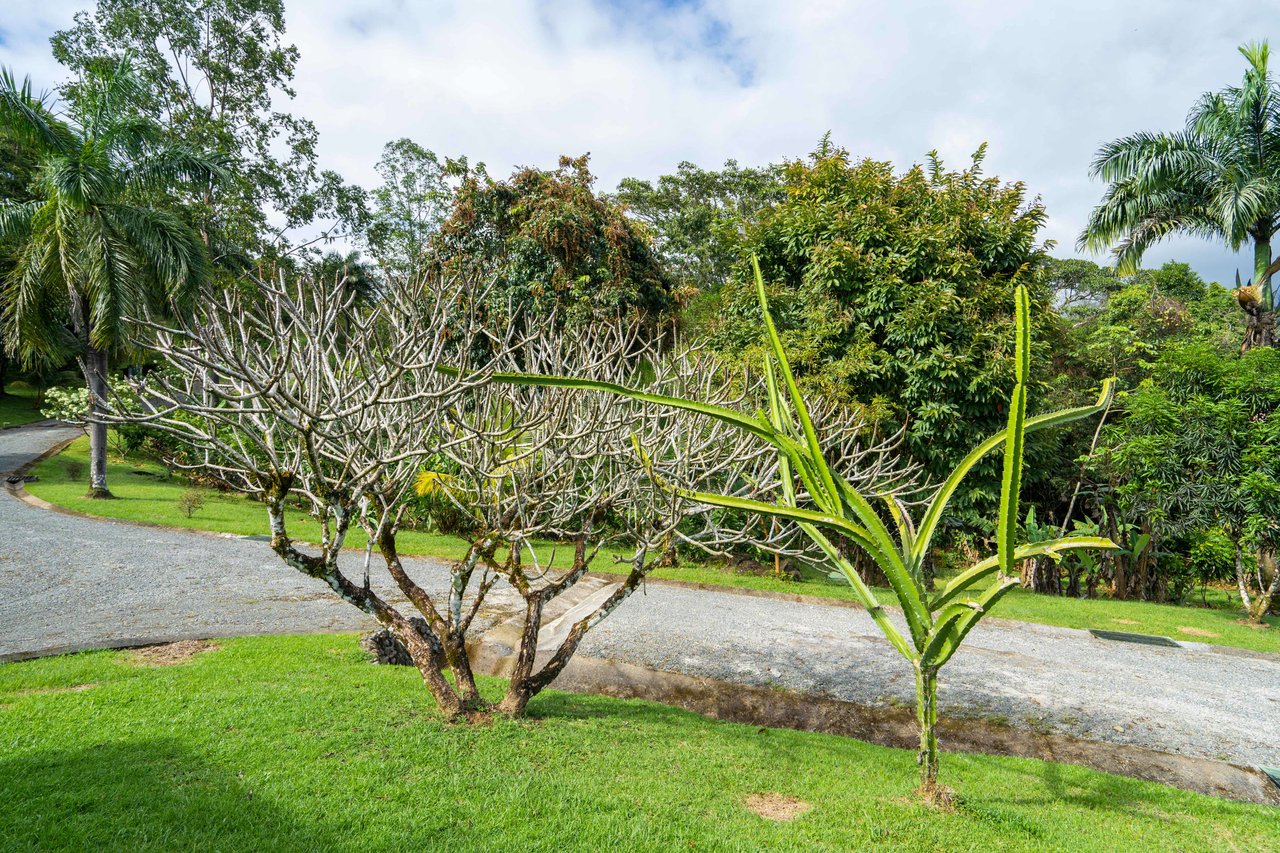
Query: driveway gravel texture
x=70 y=582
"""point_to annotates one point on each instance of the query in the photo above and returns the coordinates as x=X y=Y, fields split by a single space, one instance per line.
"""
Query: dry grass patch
x=169 y=654
x=1196 y=632
x=41 y=691
x=774 y=806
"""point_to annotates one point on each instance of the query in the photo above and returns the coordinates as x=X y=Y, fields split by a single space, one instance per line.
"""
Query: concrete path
x=70 y=582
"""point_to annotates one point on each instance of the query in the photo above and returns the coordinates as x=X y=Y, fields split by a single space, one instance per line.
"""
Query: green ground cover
x=144 y=494
x=18 y=405
x=297 y=743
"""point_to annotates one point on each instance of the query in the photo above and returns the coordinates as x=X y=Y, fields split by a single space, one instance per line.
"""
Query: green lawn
x=18 y=405
x=296 y=743
x=150 y=497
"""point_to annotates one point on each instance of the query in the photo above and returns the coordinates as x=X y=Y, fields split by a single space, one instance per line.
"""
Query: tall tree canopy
x=549 y=244
x=1218 y=178
x=90 y=250
x=214 y=72
x=895 y=293
x=699 y=217
x=410 y=205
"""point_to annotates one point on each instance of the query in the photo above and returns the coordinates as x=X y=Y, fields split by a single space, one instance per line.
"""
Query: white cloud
x=645 y=84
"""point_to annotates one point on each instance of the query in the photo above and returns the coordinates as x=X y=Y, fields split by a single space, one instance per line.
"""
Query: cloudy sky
x=644 y=84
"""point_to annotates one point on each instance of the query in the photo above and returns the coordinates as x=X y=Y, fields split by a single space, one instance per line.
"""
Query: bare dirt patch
x=774 y=806
x=169 y=654
x=1197 y=632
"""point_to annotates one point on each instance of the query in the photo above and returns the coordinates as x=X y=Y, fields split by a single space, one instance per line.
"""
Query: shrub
x=190 y=502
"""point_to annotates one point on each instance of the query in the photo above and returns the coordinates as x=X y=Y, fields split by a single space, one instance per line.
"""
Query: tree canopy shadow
x=148 y=794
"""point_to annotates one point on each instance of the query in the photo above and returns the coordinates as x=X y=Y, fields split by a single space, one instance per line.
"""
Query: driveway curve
x=71 y=582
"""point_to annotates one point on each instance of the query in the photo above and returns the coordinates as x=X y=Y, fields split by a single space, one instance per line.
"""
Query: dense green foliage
x=894 y=293
x=551 y=246
x=297 y=743
x=699 y=218
x=1196 y=458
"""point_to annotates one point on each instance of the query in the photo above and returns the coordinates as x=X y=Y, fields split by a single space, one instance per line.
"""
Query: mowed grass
x=18 y=405
x=297 y=743
x=148 y=496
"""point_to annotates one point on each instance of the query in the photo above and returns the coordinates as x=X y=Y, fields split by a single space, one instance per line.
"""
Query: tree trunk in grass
x=435 y=648
x=1268 y=585
x=95 y=374
x=927 y=716
x=518 y=687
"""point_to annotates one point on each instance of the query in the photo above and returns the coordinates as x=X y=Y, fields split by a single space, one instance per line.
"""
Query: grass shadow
x=149 y=794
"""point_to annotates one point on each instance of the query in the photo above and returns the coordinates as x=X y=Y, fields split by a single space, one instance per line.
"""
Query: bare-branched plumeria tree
x=296 y=394
x=527 y=463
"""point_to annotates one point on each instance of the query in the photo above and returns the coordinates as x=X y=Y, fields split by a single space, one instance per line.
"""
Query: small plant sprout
x=822 y=501
x=190 y=502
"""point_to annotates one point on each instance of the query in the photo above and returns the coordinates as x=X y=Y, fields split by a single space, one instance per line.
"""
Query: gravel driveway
x=69 y=582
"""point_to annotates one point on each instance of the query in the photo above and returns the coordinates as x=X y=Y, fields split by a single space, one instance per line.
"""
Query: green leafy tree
x=1195 y=453
x=410 y=205
x=214 y=72
x=350 y=272
x=89 y=253
x=700 y=217
x=1112 y=325
x=894 y=294
x=1078 y=285
x=552 y=246
x=822 y=502
x=1217 y=178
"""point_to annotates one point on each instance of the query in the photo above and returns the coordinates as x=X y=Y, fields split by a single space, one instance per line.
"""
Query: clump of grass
x=75 y=470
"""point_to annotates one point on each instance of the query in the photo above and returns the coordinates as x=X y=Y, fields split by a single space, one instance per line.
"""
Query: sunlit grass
x=296 y=743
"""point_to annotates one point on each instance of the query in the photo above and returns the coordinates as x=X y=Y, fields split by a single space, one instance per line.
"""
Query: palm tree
x=1218 y=178
x=94 y=246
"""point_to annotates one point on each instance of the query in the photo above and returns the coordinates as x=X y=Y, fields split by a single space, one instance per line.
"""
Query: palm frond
x=29 y=118
x=169 y=251
x=35 y=296
x=171 y=164
x=15 y=220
